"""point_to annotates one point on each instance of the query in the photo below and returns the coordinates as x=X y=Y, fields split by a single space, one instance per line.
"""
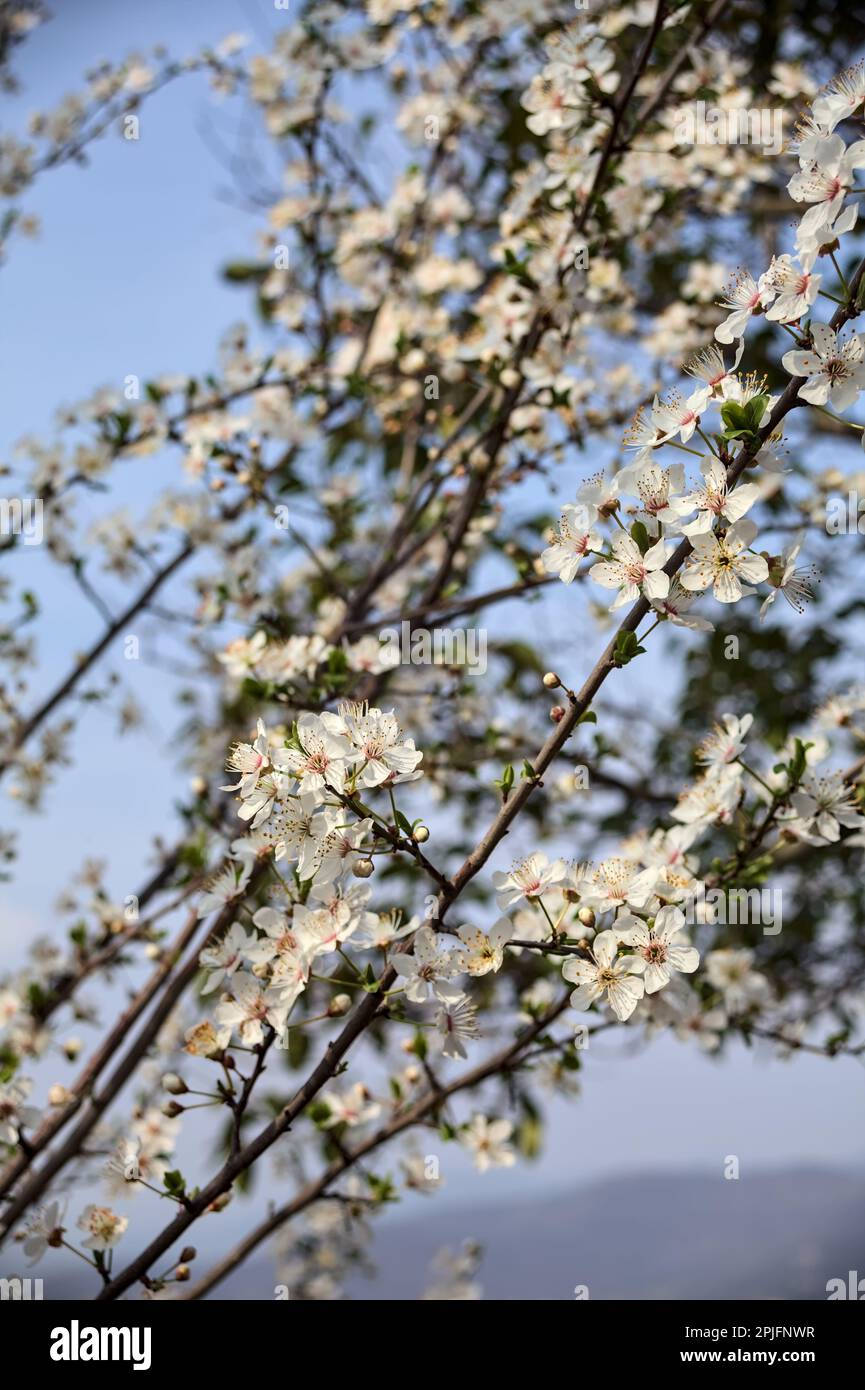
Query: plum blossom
x=529 y=878
x=729 y=970
x=352 y=1107
x=487 y=1141
x=675 y=608
x=632 y=572
x=616 y=882
x=604 y=975
x=726 y=742
x=44 y=1229
x=655 y=948
x=427 y=970
x=795 y=582
x=712 y=799
x=378 y=743
x=723 y=561
x=456 y=1021
x=574 y=540
x=825 y=805
x=828 y=172
x=249 y=1008
x=835 y=372
x=224 y=957
x=744 y=297
x=796 y=287
x=102 y=1226
x=319 y=759
x=714 y=499
x=484 y=952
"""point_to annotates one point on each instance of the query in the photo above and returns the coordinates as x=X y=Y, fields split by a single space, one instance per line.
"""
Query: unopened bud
x=72 y=1047
x=181 y=1273
x=551 y=680
x=339 y=1005
x=557 y=713
x=57 y=1095
x=363 y=868
x=171 y=1109
x=587 y=916
x=188 y=1254
x=420 y=835
x=174 y=1085
x=220 y=1203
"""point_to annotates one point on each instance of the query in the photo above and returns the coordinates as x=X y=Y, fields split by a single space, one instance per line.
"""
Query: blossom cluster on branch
x=447 y=341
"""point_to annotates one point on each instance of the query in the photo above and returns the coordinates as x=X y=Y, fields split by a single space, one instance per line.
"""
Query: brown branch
x=369 y=1007
x=502 y=1061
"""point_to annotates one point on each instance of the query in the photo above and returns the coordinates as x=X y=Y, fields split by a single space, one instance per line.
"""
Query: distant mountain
x=770 y=1235
x=767 y=1236
x=778 y=1235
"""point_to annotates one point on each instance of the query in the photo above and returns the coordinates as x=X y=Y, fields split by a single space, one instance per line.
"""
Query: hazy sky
x=124 y=278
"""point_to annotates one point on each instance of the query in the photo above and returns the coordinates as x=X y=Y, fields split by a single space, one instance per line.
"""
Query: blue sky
x=124 y=278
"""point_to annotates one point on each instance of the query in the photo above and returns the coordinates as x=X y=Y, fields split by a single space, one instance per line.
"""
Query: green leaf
x=239 y=272
x=626 y=648
x=505 y=782
x=515 y=267
x=8 y=1063
x=755 y=410
x=641 y=536
x=799 y=761
x=734 y=416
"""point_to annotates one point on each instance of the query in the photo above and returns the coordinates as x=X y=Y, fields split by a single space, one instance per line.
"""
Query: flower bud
x=221 y=1202
x=557 y=713
x=58 y=1095
x=551 y=680
x=339 y=1005
x=181 y=1273
x=420 y=835
x=72 y=1047
x=587 y=916
x=363 y=868
x=174 y=1085
x=171 y=1109
x=188 y=1254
